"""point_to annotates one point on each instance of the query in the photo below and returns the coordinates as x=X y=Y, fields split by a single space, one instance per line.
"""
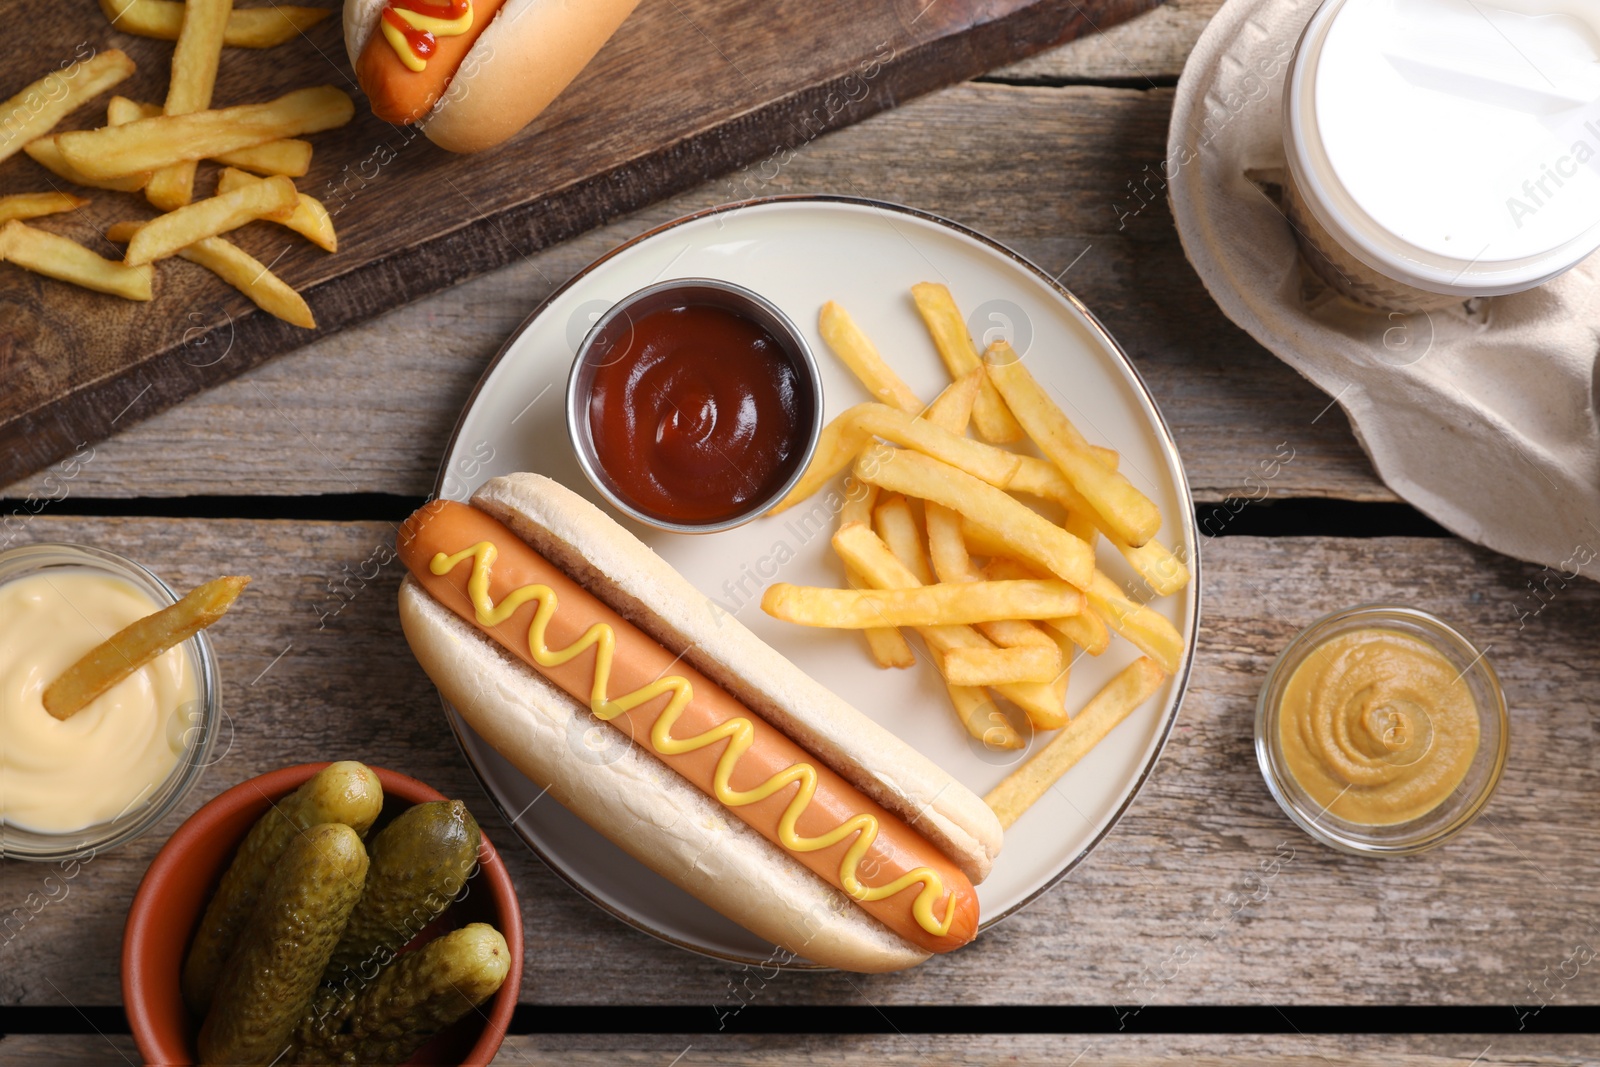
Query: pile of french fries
x=155 y=149
x=1006 y=592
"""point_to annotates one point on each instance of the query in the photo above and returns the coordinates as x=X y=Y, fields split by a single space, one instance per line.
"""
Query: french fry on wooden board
x=46 y=151
x=1131 y=515
x=289 y=156
x=309 y=218
x=239 y=269
x=983 y=719
x=943 y=604
x=57 y=257
x=152 y=143
x=35 y=205
x=194 y=74
x=138 y=643
x=856 y=351
x=999 y=666
x=1021 y=789
x=35 y=110
x=1031 y=536
x=168 y=234
x=949 y=331
x=256 y=27
x=865 y=551
x=1086 y=629
x=886 y=644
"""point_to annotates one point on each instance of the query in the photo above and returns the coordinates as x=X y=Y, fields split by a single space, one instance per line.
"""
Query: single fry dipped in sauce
x=137 y=644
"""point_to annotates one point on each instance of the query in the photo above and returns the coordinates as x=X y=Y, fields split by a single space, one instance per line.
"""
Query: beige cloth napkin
x=1482 y=415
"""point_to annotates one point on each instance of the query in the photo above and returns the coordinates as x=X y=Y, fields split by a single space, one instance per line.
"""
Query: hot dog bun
x=522 y=61
x=632 y=800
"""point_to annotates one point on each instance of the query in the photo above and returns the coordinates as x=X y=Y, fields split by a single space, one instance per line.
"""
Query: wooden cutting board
x=687 y=90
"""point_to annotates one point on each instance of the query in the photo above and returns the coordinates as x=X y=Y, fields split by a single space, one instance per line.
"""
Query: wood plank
x=315 y=668
x=1023 y=1050
x=684 y=91
x=369 y=410
x=1149 y=48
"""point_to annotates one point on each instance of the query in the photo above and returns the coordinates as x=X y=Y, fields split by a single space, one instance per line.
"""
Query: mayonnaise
x=109 y=758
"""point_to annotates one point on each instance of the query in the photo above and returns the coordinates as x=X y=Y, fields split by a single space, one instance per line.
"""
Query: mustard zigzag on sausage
x=738 y=731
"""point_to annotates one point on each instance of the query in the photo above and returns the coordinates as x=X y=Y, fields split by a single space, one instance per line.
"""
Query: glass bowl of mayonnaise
x=73 y=788
x=1381 y=730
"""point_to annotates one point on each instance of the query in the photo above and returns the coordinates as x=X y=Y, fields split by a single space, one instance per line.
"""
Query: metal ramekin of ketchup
x=694 y=405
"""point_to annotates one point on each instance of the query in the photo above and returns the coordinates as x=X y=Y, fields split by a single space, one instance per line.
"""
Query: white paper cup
x=1440 y=151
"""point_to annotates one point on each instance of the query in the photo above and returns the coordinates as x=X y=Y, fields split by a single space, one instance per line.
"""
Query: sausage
x=401 y=95
x=936 y=908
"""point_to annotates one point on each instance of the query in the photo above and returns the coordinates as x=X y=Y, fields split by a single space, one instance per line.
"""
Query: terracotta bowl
x=180 y=881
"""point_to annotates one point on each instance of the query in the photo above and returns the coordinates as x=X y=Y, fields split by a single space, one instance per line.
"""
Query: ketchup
x=697 y=413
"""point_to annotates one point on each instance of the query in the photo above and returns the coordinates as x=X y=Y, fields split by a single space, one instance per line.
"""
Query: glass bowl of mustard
x=73 y=789
x=1381 y=730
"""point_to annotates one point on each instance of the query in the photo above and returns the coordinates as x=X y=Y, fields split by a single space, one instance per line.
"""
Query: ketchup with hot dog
x=697 y=413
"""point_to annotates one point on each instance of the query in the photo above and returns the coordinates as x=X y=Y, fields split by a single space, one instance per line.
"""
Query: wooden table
x=301 y=468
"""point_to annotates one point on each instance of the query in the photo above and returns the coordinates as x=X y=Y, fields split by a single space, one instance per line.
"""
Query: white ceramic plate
x=799 y=253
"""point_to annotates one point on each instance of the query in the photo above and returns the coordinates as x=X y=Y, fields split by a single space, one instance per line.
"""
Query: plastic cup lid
x=1457 y=141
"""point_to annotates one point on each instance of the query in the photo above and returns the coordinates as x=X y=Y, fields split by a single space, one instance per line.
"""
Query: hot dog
x=472 y=72
x=746 y=782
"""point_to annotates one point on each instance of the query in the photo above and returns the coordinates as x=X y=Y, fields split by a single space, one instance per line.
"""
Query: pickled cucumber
x=420 y=862
x=346 y=792
x=268 y=981
x=418 y=995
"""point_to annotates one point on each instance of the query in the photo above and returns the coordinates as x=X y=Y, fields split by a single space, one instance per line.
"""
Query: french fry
x=46 y=151
x=951 y=410
x=946 y=547
x=1161 y=570
x=289 y=156
x=886 y=644
x=865 y=551
x=983 y=720
x=1085 y=629
x=1147 y=628
x=994 y=465
x=242 y=271
x=35 y=110
x=838 y=445
x=57 y=257
x=893 y=521
x=138 y=643
x=1130 y=514
x=999 y=666
x=1080 y=525
x=35 y=205
x=152 y=143
x=309 y=218
x=857 y=352
x=1031 y=536
x=168 y=234
x=959 y=604
x=949 y=331
x=194 y=74
x=256 y=27
x=952 y=563
x=1021 y=789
